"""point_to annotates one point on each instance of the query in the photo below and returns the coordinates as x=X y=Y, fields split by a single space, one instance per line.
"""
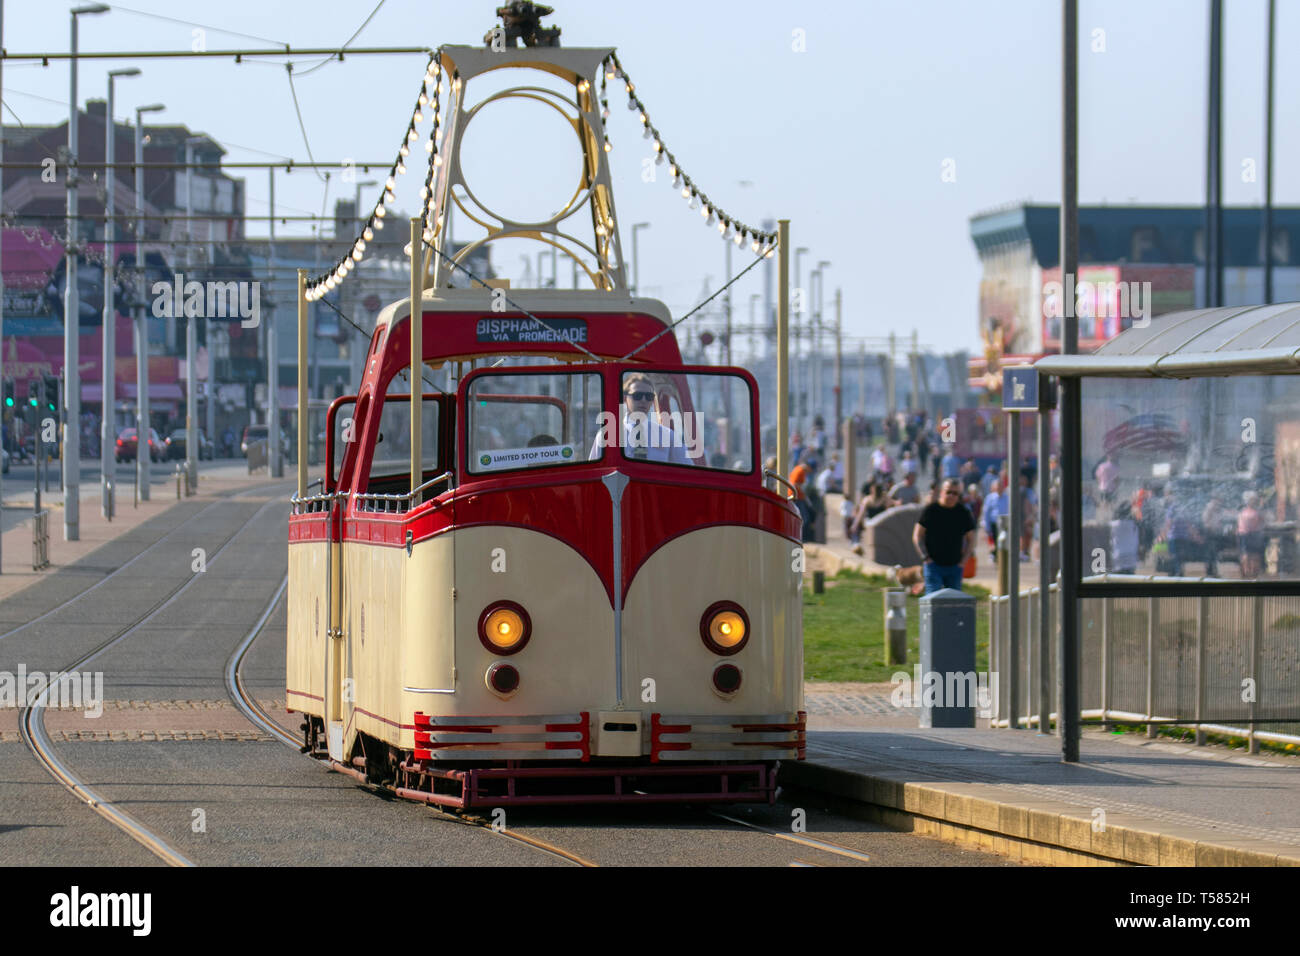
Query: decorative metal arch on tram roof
x=1196 y=343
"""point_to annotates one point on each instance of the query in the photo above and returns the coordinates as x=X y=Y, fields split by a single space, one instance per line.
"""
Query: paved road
x=170 y=749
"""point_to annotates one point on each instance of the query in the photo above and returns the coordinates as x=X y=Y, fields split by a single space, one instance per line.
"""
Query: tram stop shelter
x=1189 y=510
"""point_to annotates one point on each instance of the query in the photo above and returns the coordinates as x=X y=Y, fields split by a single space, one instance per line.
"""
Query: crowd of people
x=1175 y=528
x=926 y=472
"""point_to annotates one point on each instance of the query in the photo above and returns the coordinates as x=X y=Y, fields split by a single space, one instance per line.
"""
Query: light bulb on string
x=740 y=238
x=608 y=144
x=367 y=233
x=437 y=159
x=693 y=201
x=686 y=191
x=405 y=150
x=401 y=168
x=417 y=117
x=389 y=197
x=380 y=212
x=428 y=146
x=424 y=98
x=406 y=249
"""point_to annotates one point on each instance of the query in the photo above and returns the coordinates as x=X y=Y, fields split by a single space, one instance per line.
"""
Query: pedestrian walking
x=945 y=536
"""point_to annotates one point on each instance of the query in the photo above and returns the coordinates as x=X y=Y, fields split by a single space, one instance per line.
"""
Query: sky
x=877 y=128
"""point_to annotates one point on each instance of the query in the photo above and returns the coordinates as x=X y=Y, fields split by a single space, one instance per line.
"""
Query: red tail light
x=119 y=441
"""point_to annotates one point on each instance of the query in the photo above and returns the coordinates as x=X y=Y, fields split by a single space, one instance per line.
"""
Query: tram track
x=249 y=706
x=32 y=721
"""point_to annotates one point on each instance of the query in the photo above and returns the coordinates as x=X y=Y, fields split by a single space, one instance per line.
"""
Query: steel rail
x=34 y=734
x=796 y=838
x=108 y=577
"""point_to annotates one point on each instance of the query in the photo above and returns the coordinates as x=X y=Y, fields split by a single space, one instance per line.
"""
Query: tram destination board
x=531 y=330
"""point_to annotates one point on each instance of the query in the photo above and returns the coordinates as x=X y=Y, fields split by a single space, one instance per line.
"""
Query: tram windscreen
x=531 y=420
x=392 y=457
x=691 y=419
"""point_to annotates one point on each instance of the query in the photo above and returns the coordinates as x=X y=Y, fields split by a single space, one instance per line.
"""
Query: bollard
x=895 y=625
x=178 y=482
x=819 y=582
x=949 y=692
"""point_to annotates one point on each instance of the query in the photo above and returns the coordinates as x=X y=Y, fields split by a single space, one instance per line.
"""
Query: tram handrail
x=769 y=473
x=387 y=500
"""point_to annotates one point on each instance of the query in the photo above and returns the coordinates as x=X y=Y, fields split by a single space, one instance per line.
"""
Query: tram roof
x=1232 y=340
x=551 y=302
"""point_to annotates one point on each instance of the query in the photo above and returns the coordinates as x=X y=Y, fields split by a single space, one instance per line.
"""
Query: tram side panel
x=373 y=615
x=307 y=623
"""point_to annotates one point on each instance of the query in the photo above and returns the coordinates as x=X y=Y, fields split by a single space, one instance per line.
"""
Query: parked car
x=256 y=433
x=176 y=446
x=127 y=441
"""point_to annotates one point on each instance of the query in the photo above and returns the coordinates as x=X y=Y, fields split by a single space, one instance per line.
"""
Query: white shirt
x=658 y=443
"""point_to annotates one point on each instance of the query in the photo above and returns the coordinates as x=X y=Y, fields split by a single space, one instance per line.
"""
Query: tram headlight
x=724 y=627
x=504 y=627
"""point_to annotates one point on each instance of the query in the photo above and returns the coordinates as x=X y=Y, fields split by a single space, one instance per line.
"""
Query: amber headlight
x=724 y=627
x=504 y=627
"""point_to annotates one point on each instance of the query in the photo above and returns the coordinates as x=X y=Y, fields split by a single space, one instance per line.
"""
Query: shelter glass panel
x=1191 y=478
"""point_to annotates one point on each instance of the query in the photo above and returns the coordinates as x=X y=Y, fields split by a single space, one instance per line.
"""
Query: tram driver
x=641 y=434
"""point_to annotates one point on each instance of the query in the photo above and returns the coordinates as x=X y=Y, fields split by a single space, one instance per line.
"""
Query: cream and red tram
x=563 y=611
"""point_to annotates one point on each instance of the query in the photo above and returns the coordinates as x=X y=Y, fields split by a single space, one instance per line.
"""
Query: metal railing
x=40 y=540
x=397 y=504
x=1225 y=665
x=370 y=503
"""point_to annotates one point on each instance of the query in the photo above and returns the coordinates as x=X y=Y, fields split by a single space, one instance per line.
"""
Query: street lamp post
x=142 y=471
x=70 y=455
x=636 y=270
x=191 y=331
x=108 y=377
x=822 y=266
x=797 y=378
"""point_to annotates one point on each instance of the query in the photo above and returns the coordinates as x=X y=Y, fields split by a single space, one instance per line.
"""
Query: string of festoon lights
x=330 y=280
x=729 y=227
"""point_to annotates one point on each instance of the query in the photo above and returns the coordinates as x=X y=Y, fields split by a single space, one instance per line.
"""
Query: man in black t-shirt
x=945 y=536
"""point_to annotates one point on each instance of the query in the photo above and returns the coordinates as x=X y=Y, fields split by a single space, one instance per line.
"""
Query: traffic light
x=9 y=393
x=52 y=394
x=34 y=393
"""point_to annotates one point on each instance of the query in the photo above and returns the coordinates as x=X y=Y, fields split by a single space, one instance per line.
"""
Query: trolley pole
x=783 y=349
x=417 y=352
x=302 y=385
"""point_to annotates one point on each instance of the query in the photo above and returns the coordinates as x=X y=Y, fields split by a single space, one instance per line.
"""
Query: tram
x=545 y=565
